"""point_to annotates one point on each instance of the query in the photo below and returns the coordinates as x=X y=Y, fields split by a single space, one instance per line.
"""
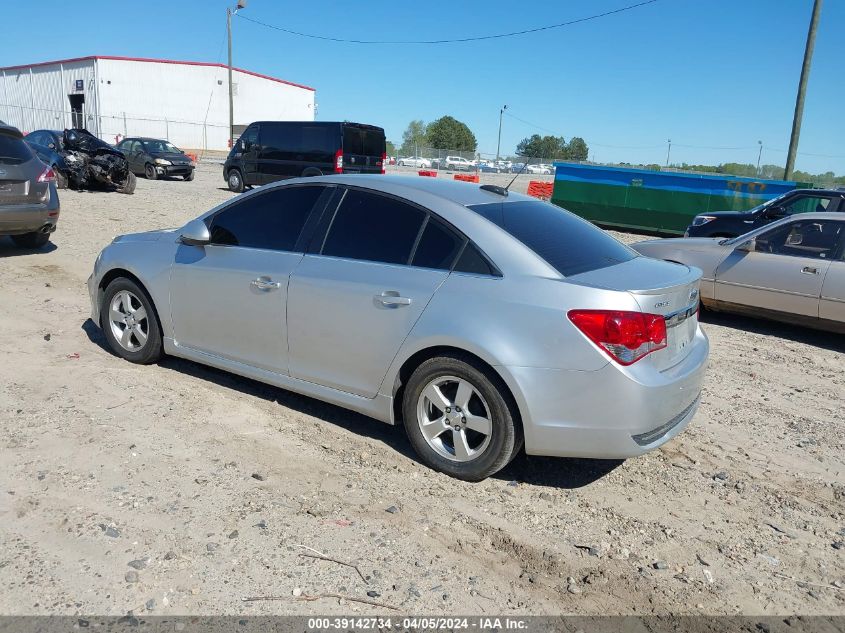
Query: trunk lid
x=19 y=185
x=658 y=287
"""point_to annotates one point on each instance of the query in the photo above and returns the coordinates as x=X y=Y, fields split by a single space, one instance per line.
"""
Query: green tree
x=413 y=138
x=449 y=133
x=390 y=148
x=544 y=147
x=577 y=149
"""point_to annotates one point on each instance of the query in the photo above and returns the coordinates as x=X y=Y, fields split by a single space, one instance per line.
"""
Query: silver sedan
x=479 y=319
x=792 y=270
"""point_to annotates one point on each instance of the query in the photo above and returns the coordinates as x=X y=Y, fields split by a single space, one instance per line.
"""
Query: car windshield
x=13 y=150
x=161 y=147
x=568 y=243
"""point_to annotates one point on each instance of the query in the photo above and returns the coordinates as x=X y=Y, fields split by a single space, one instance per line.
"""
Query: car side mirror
x=776 y=212
x=195 y=233
x=748 y=246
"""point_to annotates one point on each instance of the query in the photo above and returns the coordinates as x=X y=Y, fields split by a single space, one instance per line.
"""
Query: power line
x=448 y=41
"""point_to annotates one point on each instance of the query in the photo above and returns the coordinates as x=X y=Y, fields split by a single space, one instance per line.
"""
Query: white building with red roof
x=186 y=103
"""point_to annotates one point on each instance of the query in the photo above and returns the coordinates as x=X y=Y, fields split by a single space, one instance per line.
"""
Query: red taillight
x=48 y=175
x=338 y=161
x=625 y=336
x=383 y=162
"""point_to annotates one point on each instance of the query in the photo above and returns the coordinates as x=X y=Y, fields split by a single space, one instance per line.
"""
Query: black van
x=272 y=150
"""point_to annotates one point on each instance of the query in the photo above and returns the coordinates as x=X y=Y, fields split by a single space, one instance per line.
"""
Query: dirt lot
x=180 y=489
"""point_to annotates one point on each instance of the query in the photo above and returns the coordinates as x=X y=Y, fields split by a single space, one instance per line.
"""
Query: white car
x=415 y=161
x=456 y=163
x=540 y=168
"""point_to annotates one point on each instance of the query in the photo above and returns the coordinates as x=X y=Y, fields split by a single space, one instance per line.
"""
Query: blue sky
x=705 y=73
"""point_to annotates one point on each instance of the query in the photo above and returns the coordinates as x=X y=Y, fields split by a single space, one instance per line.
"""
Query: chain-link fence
x=422 y=157
x=194 y=135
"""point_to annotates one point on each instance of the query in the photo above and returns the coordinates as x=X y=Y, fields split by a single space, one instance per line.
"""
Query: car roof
x=817 y=191
x=10 y=130
x=462 y=193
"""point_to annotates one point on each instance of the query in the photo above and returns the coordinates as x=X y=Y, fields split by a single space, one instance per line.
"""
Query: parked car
x=154 y=158
x=268 y=151
x=369 y=292
x=456 y=163
x=792 y=270
x=540 y=168
x=49 y=147
x=415 y=161
x=517 y=167
x=732 y=223
x=504 y=165
x=29 y=201
x=489 y=168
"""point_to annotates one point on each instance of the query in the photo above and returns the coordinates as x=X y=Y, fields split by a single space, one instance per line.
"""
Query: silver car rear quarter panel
x=596 y=413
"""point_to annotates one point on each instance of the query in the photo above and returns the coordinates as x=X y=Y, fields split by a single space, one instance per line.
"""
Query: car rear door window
x=437 y=247
x=374 y=228
x=568 y=243
x=272 y=220
x=13 y=151
x=473 y=262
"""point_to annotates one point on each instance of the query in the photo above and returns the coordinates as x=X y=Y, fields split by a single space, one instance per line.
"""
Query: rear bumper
x=610 y=413
x=17 y=219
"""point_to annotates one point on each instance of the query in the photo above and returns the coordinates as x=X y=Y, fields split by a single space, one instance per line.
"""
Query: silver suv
x=29 y=202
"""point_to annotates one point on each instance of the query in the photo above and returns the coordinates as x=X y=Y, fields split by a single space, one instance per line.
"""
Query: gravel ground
x=179 y=489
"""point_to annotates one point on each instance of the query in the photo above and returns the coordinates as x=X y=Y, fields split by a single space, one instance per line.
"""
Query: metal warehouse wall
x=189 y=103
x=36 y=97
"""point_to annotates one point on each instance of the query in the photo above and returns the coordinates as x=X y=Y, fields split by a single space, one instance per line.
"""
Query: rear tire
x=31 y=240
x=235 y=180
x=130 y=184
x=142 y=344
x=488 y=407
x=150 y=172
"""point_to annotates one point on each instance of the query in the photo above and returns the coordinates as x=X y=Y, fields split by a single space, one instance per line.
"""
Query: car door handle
x=265 y=283
x=809 y=270
x=392 y=298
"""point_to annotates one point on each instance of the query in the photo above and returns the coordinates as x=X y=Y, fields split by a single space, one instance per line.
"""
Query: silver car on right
x=792 y=270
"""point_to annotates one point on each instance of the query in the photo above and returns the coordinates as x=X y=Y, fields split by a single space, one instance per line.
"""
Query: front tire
x=235 y=180
x=150 y=172
x=31 y=240
x=130 y=323
x=459 y=418
x=189 y=177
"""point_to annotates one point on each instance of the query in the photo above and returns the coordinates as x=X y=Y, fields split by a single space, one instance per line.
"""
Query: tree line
x=447 y=133
x=767 y=172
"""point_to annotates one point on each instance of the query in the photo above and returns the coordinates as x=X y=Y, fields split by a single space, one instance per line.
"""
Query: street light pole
x=229 y=13
x=668 y=151
x=759 y=154
x=499 y=144
x=802 y=90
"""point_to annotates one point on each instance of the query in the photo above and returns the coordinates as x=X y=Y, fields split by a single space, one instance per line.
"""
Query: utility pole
x=759 y=155
x=229 y=13
x=499 y=144
x=802 y=90
x=668 y=151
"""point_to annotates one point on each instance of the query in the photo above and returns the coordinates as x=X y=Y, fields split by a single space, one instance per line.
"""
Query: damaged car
x=92 y=163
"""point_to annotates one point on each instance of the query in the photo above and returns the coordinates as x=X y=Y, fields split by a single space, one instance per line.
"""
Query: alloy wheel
x=454 y=418
x=129 y=321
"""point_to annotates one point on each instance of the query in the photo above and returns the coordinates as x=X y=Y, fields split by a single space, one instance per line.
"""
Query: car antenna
x=503 y=191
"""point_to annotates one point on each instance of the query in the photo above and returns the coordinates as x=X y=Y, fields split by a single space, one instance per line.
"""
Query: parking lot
x=179 y=489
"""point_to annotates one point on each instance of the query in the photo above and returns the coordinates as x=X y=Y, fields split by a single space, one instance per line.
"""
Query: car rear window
x=363 y=141
x=570 y=244
x=13 y=150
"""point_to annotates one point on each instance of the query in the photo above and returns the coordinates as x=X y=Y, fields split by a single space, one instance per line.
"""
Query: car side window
x=374 y=228
x=271 y=220
x=810 y=204
x=473 y=262
x=249 y=138
x=809 y=238
x=438 y=246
